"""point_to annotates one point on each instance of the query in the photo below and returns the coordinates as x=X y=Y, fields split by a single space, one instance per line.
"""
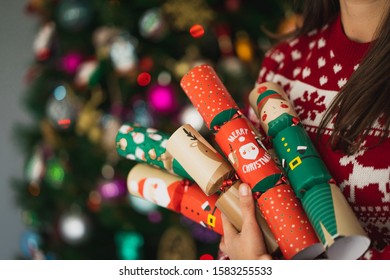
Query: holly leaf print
x=309 y=105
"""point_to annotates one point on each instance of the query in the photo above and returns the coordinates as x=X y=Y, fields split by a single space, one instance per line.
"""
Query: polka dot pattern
x=208 y=95
x=288 y=222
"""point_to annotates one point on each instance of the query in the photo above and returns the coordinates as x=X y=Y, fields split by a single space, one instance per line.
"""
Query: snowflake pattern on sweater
x=312 y=69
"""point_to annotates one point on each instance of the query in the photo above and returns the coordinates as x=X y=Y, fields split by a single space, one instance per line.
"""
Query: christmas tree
x=98 y=64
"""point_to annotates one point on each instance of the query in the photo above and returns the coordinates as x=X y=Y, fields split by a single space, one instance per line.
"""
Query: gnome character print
x=273 y=109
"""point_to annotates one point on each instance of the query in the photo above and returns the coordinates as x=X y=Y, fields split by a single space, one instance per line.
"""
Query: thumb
x=247 y=205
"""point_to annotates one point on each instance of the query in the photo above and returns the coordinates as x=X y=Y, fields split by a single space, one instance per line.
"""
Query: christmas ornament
x=43 y=40
x=30 y=219
x=162 y=99
x=70 y=62
x=231 y=67
x=189 y=115
x=197 y=31
x=233 y=5
x=74 y=15
x=243 y=46
x=129 y=245
x=74 y=226
x=146 y=63
x=154 y=217
x=108 y=171
x=94 y=201
x=30 y=244
x=61 y=108
x=109 y=126
x=88 y=121
x=207 y=257
x=55 y=173
x=123 y=53
x=144 y=79
x=102 y=39
x=85 y=73
x=152 y=25
x=225 y=43
x=113 y=189
x=164 y=78
x=176 y=244
x=141 y=114
x=35 y=166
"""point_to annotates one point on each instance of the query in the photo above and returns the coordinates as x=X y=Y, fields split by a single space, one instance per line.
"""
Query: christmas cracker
x=147 y=145
x=330 y=214
x=176 y=194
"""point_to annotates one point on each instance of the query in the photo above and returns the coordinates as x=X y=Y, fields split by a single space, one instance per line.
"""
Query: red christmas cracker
x=252 y=163
x=198 y=207
x=209 y=96
x=289 y=223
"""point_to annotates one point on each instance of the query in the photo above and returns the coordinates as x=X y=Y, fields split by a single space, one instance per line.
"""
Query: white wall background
x=17 y=32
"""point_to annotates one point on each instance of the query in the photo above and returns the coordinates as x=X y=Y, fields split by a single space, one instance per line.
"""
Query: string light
x=197 y=31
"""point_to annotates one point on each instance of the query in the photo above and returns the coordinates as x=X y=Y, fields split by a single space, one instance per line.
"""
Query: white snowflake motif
x=312 y=44
x=295 y=54
x=278 y=57
x=337 y=68
x=297 y=71
x=323 y=80
x=321 y=62
x=306 y=72
x=321 y=43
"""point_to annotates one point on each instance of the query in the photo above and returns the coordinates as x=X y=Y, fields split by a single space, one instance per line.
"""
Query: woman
x=336 y=73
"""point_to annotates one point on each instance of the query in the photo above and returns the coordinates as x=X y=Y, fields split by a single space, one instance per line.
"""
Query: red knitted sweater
x=312 y=69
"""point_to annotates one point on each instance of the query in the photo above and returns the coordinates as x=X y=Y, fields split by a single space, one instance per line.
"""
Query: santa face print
x=152 y=189
x=238 y=142
x=249 y=151
x=156 y=190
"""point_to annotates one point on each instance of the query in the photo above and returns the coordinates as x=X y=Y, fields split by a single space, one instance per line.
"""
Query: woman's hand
x=247 y=244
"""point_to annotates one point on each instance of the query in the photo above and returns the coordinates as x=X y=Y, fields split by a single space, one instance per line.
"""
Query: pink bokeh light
x=162 y=99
